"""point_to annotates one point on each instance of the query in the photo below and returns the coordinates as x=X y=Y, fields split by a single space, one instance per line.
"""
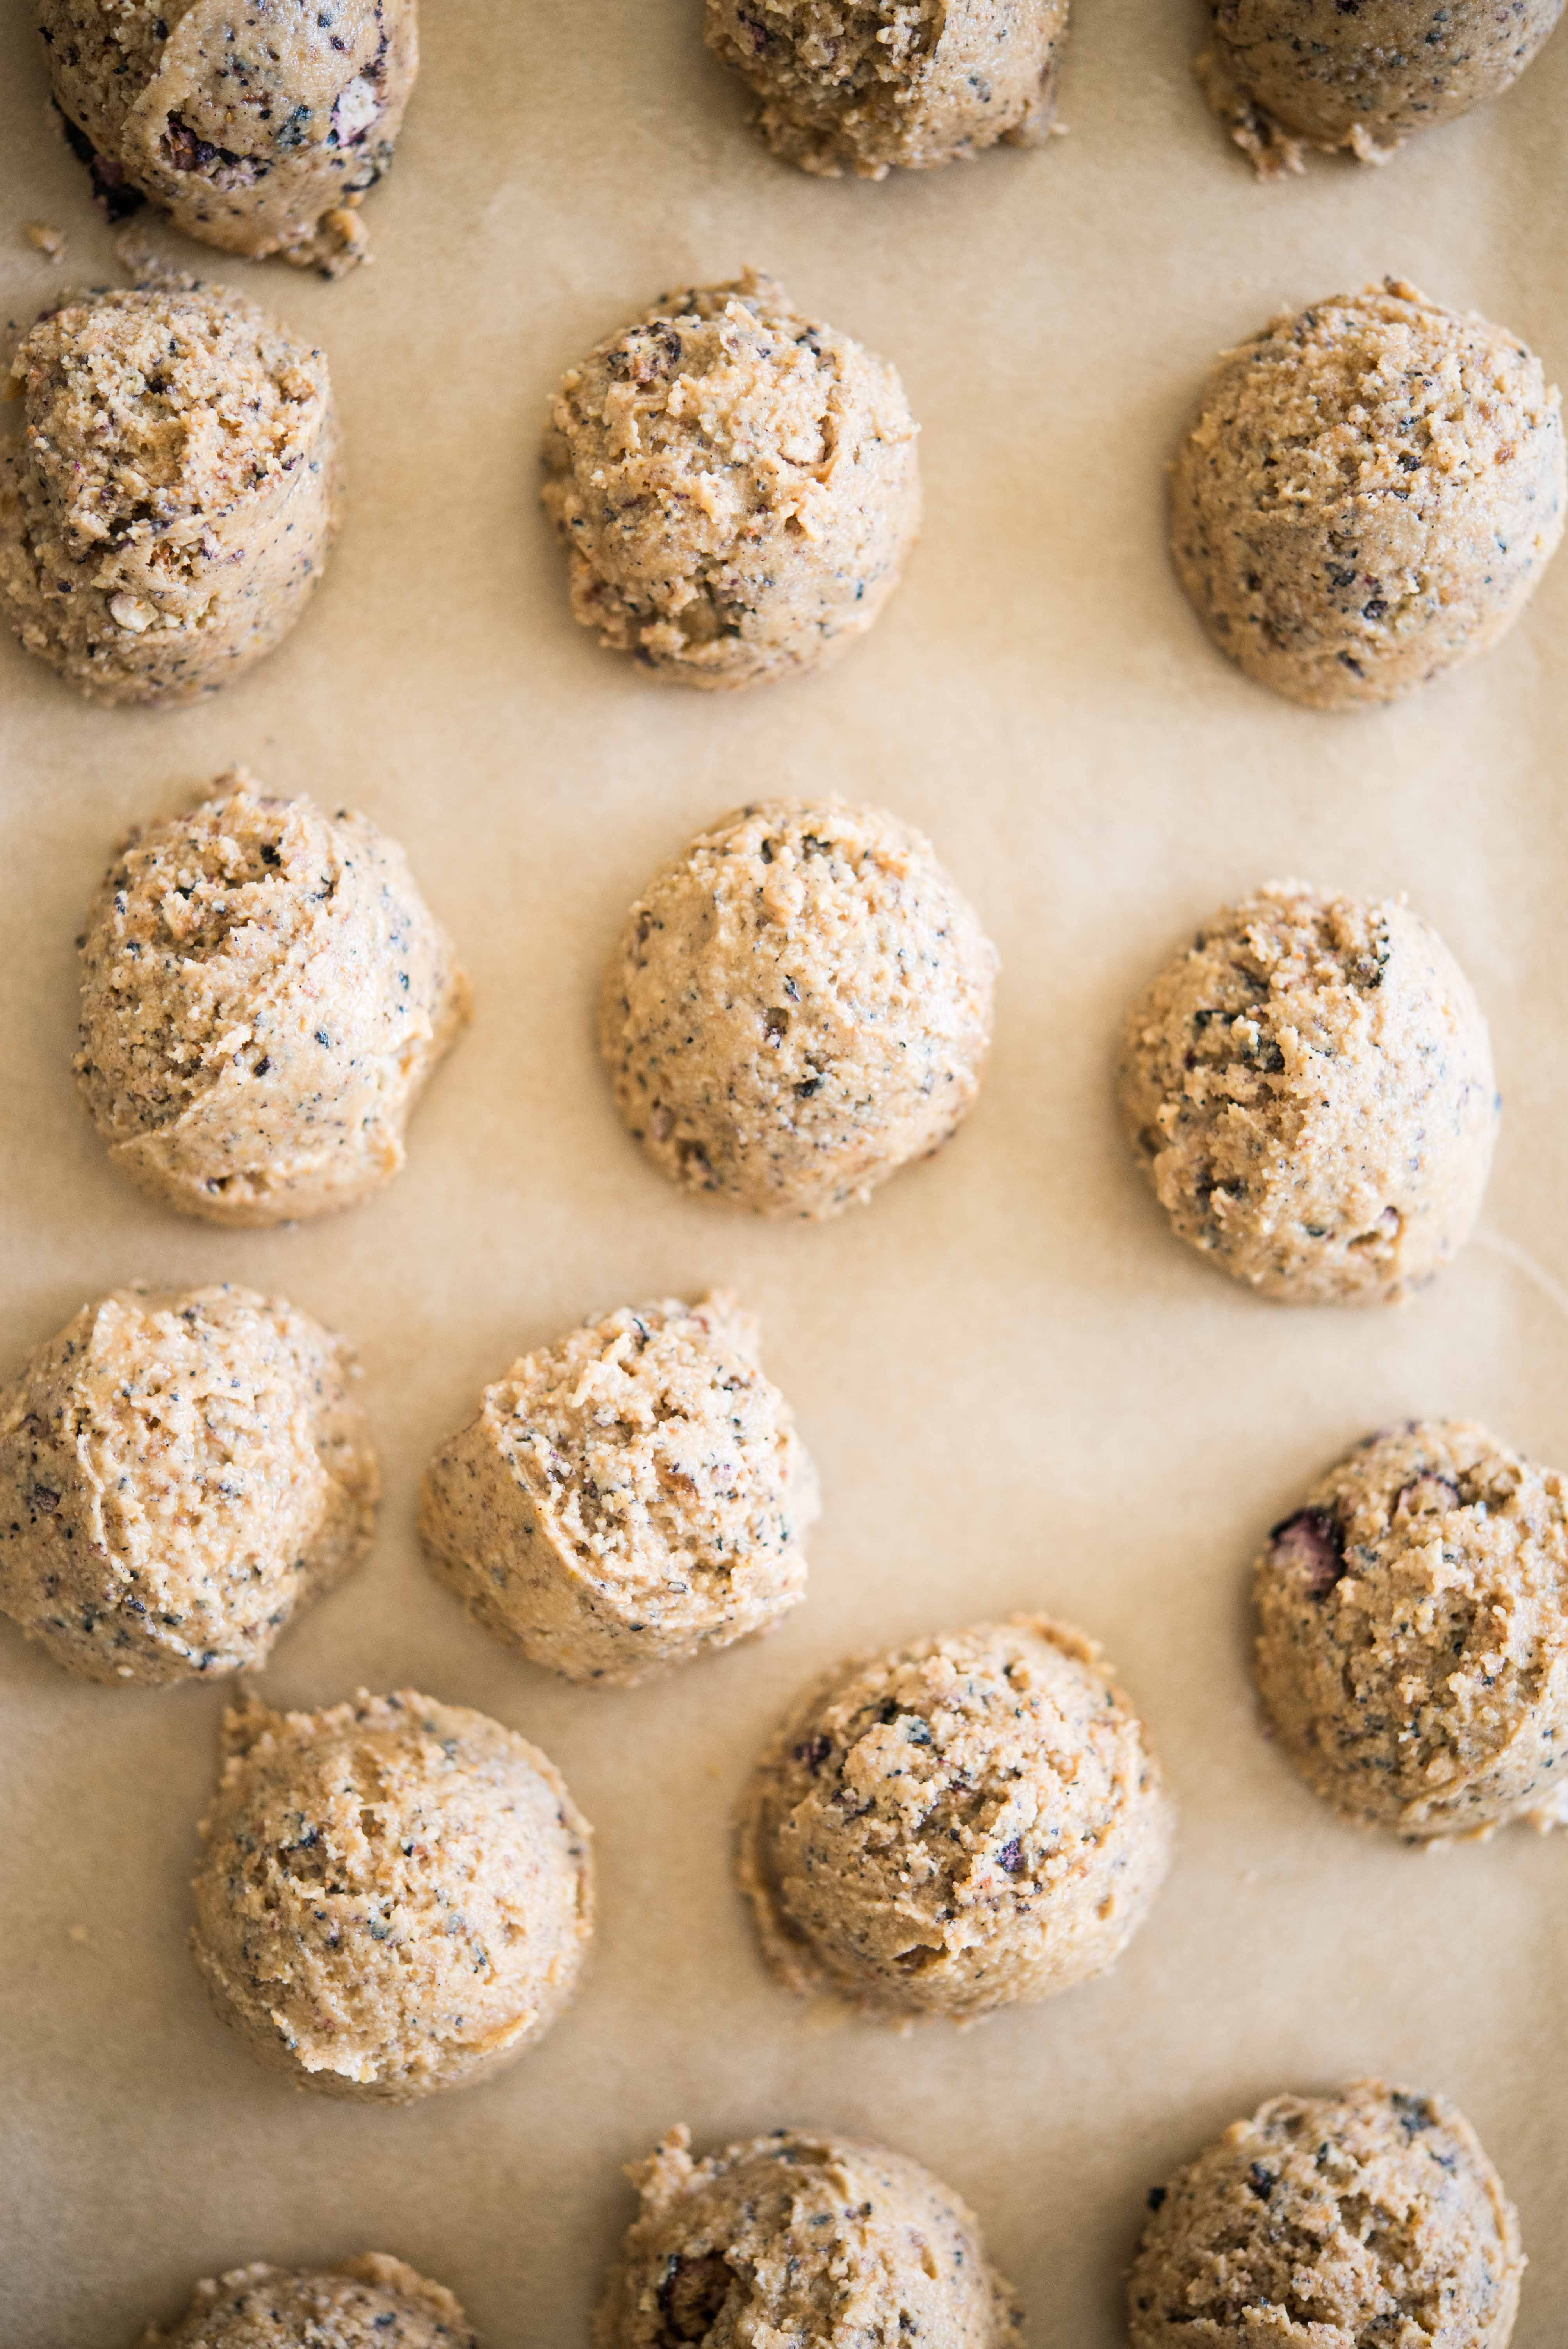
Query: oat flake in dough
x=370 y=2303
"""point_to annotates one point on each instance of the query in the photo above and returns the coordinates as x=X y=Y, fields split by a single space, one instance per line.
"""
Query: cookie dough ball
x=1413 y=1633
x=799 y=1005
x=628 y=1498
x=1367 y=2216
x=866 y=87
x=372 y=2302
x=972 y=1822
x=1283 y=75
x=735 y=485
x=172 y=498
x=1370 y=495
x=800 y=2237
x=1309 y=1090
x=257 y=126
x=177 y=1474
x=264 y=994
x=395 y=1896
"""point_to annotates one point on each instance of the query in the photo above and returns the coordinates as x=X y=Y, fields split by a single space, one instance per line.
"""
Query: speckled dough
x=177 y=1474
x=1332 y=2222
x=972 y=1822
x=394 y=1896
x=258 y=125
x=1283 y=75
x=1370 y=495
x=861 y=85
x=735 y=485
x=1309 y=1090
x=371 y=2302
x=800 y=1004
x=629 y=1497
x=799 y=2237
x=1413 y=1633
x=265 y=993
x=172 y=498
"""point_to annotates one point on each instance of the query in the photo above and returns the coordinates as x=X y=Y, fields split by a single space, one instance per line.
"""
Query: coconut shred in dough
x=971 y=1822
x=801 y=2238
x=177 y=1474
x=627 y=1498
x=735 y=485
x=1412 y=1647
x=1309 y=1090
x=370 y=2303
x=394 y=1896
x=171 y=500
x=866 y=84
x=1332 y=2222
x=1370 y=495
x=264 y=994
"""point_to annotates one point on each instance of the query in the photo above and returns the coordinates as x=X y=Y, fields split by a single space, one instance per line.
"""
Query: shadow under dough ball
x=257 y=125
x=370 y=2303
x=971 y=1822
x=800 y=2236
x=172 y=498
x=1368 y=2215
x=179 y=1474
x=629 y=1498
x=800 y=1004
x=396 y=1897
x=1309 y=1090
x=265 y=995
x=851 y=85
x=735 y=485
x=1370 y=495
x=1412 y=1634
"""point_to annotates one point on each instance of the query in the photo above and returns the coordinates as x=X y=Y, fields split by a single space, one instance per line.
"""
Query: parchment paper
x=1020 y=1390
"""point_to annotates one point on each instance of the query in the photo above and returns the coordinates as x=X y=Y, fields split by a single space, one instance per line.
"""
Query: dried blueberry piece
x=1261 y=2182
x=1011 y=1858
x=812 y=1752
x=1310 y=1547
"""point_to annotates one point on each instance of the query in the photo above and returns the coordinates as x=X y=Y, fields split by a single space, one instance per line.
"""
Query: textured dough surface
x=971 y=1822
x=1309 y=1089
x=1332 y=2222
x=394 y=1896
x=257 y=125
x=1412 y=1645
x=735 y=485
x=265 y=993
x=170 y=502
x=861 y=85
x=629 y=1497
x=370 y=2303
x=179 y=1474
x=800 y=1004
x=1370 y=495
x=797 y=2237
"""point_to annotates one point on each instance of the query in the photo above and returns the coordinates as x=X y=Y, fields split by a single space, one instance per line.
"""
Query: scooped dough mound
x=172 y=498
x=1370 y=495
x=857 y=84
x=1413 y=1633
x=799 y=1005
x=629 y=1497
x=735 y=485
x=177 y=1474
x=372 y=2302
x=972 y=1822
x=1287 y=73
x=1309 y=1090
x=1330 y=2222
x=265 y=993
x=394 y=1896
x=257 y=126
x=797 y=2237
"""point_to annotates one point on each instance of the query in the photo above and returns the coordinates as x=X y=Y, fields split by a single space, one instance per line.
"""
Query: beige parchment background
x=1020 y=1391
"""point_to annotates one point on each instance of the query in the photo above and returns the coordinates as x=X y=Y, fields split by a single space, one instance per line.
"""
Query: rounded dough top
x=371 y=2302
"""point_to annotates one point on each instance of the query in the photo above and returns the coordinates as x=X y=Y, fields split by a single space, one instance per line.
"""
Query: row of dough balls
x=1370 y=2212
x=1369 y=493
